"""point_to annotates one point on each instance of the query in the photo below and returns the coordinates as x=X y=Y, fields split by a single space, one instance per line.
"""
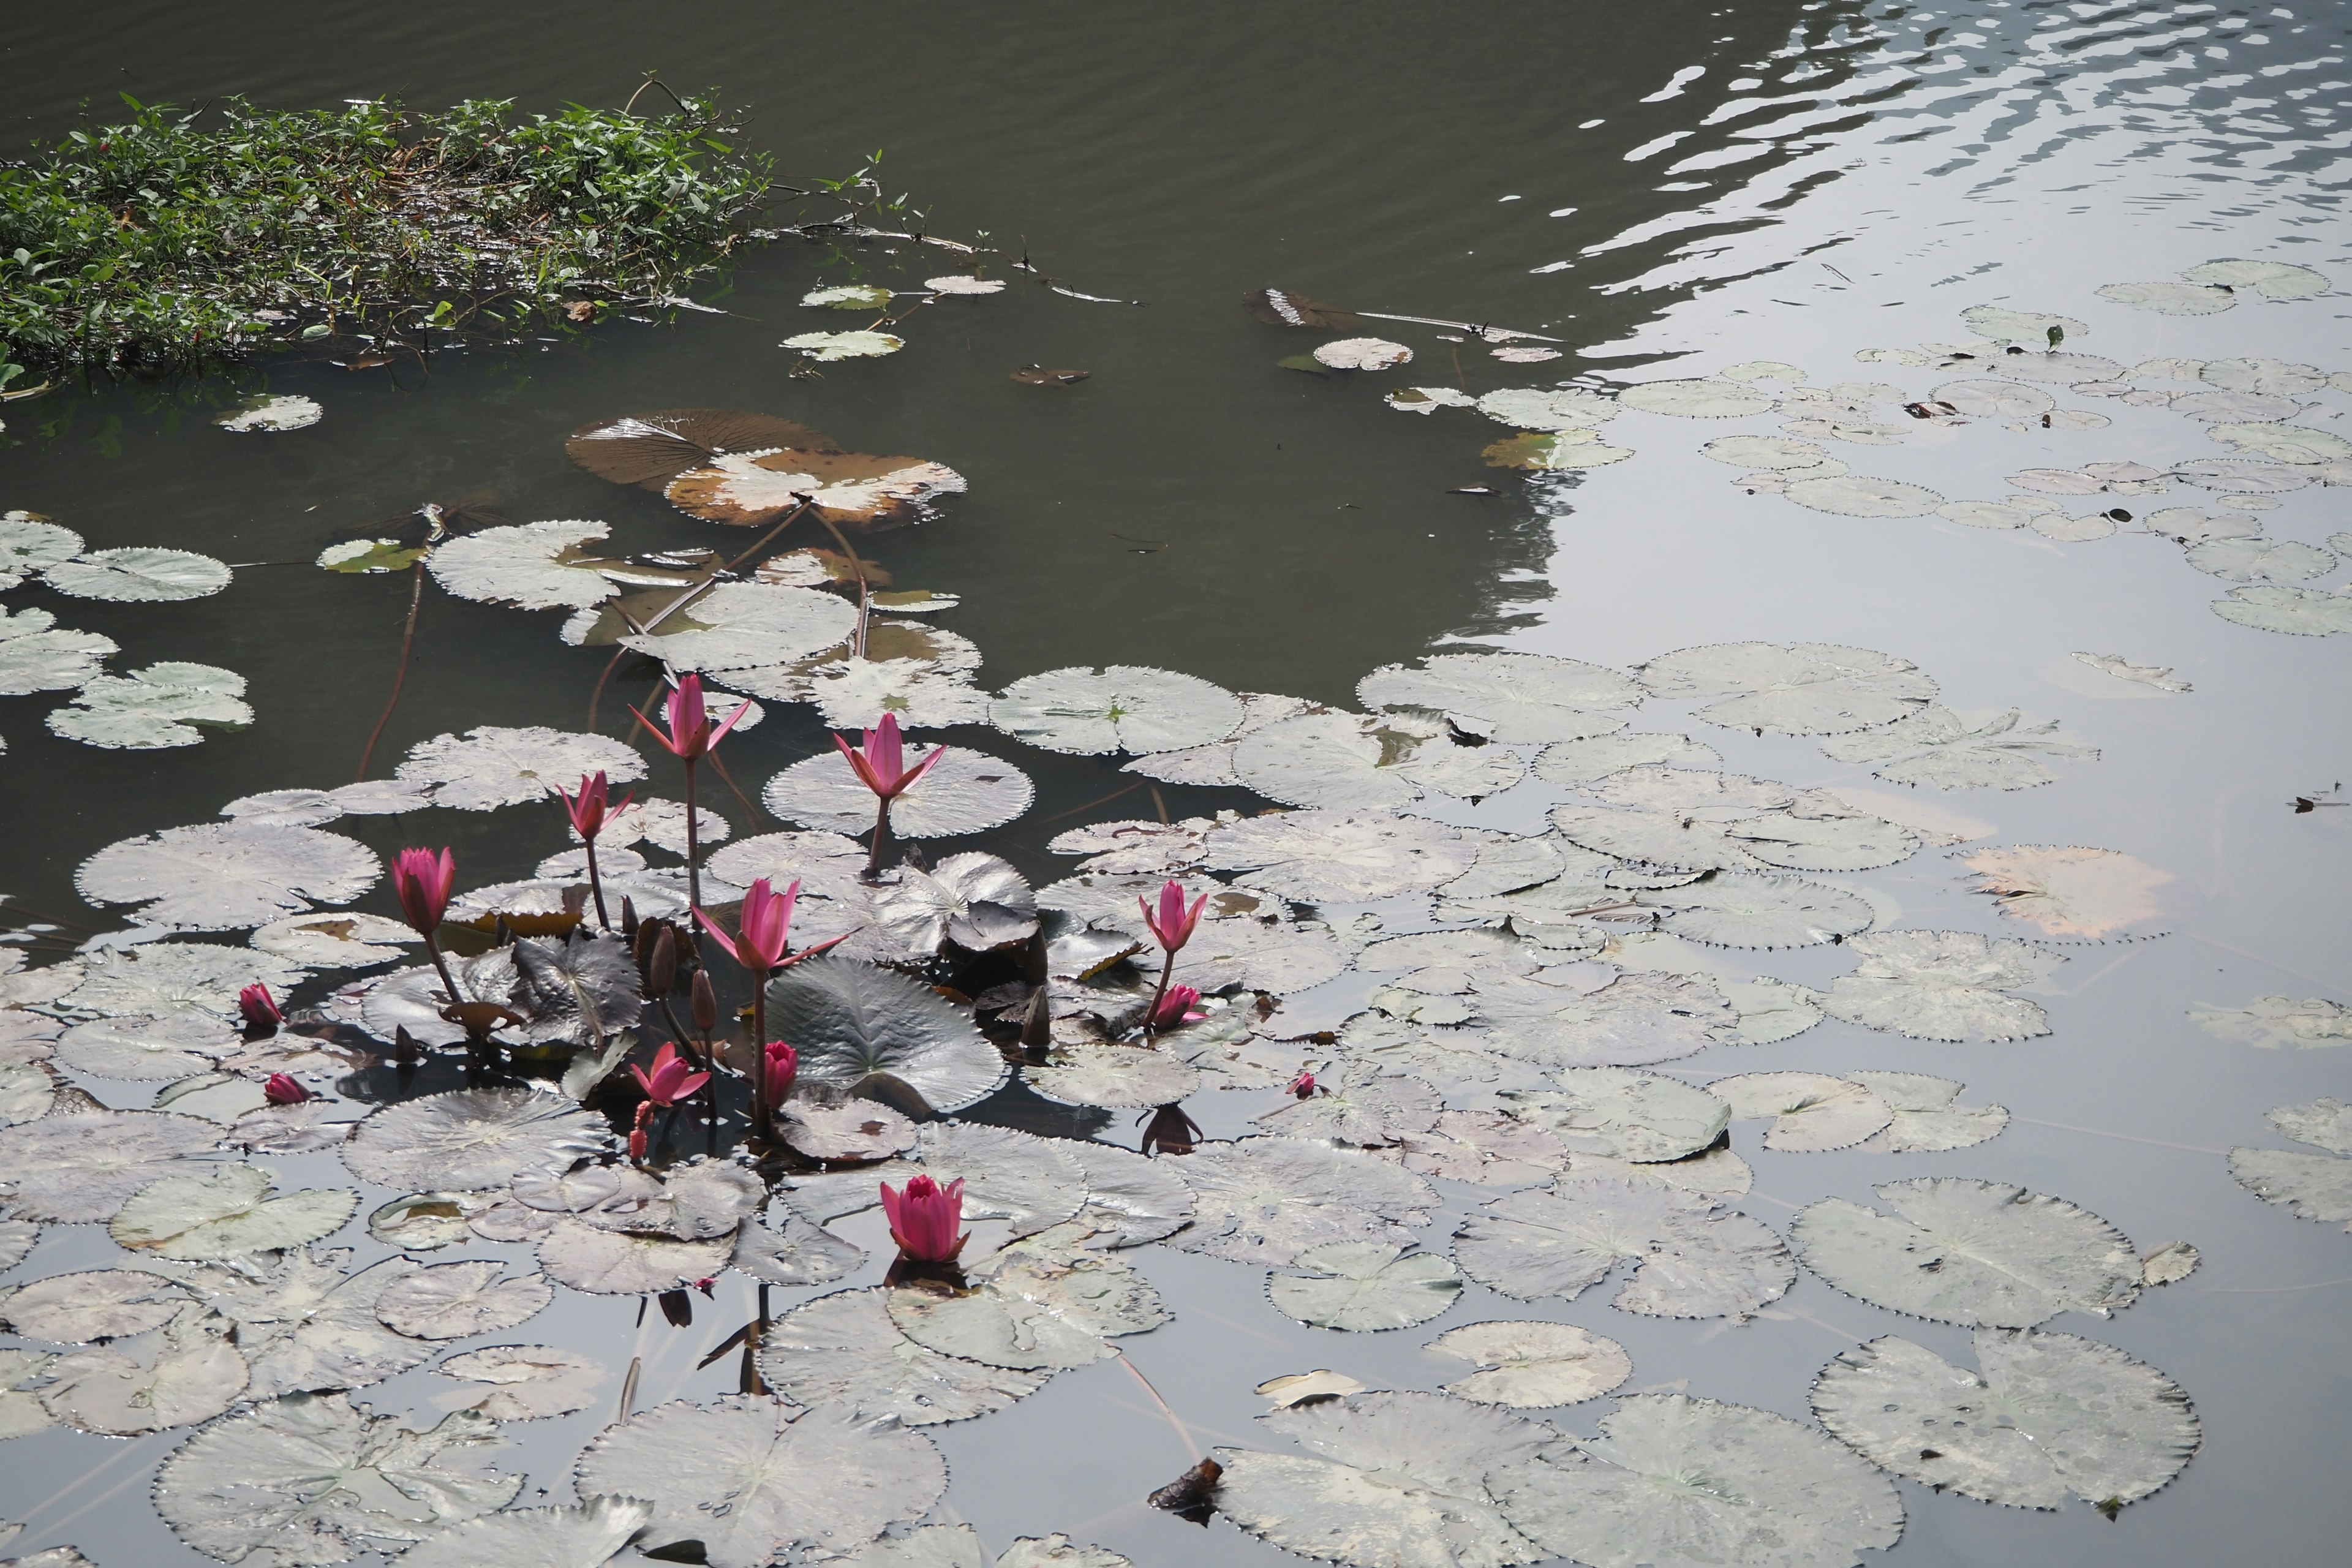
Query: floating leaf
x=1121 y=1077
x=967 y=792
x=532 y=566
x=754 y=1479
x=144 y=1049
x=1809 y=1112
x=2300 y=612
x=1551 y=409
x=1362 y=354
x=181 y=1374
x=359 y=557
x=2272 y=1022
x=35 y=656
x=2313 y=1186
x=1631 y=1020
x=93 y=1304
x=1597 y=757
x=1406 y=399
x=79 y=1167
x=1943 y=986
x=1938 y=747
x=976 y=901
x=1857 y=495
x=162 y=706
x=273 y=413
x=1676 y=1480
x=2051 y=1416
x=790 y=1250
x=471 y=1140
x=1034 y=1313
x=1339 y=857
x=1534 y=1365
x=845 y=1348
x=1697 y=398
x=853 y=1019
x=1130 y=1199
x=1491 y=1149
x=1926 y=1118
x=1730 y=909
x=2273 y=279
x=744 y=626
x=1357 y=1106
x=2260 y=560
x=848 y=297
x=176 y=980
x=2068 y=890
x=827 y=347
x=526 y=1382
x=334 y=940
x=305 y=1326
x=1116 y=707
x=2122 y=669
x=1691 y=1257
x=494 y=766
x=1573 y=449
x=1364 y=1287
x=1397 y=1483
x=606 y=1262
x=248 y=1489
x=458 y=1301
x=1772 y=452
x=2242 y=476
x=2284 y=443
x=223 y=876
x=1349 y=761
x=1267 y=1200
x=29 y=542
x=587 y=1536
x=1980 y=1254
x=2003 y=325
x=1508 y=697
x=1795 y=689
x=2269 y=377
x=1623 y=1114
x=139 y=574
x=227 y=1214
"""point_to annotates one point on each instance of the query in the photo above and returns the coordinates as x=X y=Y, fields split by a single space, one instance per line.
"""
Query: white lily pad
x=1495 y=1149
x=523 y=1382
x=1858 y=495
x=1796 y=689
x=1357 y=1106
x=1622 y=1114
x=845 y=1348
x=1414 y=400
x=1116 y=707
x=2171 y=299
x=1633 y=1019
x=2260 y=560
x=1349 y=761
x=70 y=1168
x=1119 y=1077
x=305 y=1325
x=1731 y=910
x=1362 y=354
x=1938 y=747
x=1267 y=1200
x=30 y=541
x=531 y=566
x=1697 y=398
x=2269 y=377
x=1691 y=1257
x=139 y=574
x=495 y=765
x=2300 y=612
x=1366 y=1287
x=2310 y=1186
x=2271 y=280
x=227 y=1214
x=1927 y=1117
x=182 y=1374
x=225 y=875
x=1534 y=1365
x=1809 y=1112
x=1943 y=986
x=748 y=626
x=144 y=1049
x=1507 y=697
x=458 y=1301
x=967 y=792
x=827 y=347
x=36 y=654
x=91 y=1304
x=1032 y=1312
x=586 y=1536
x=2279 y=442
x=1320 y=856
x=1547 y=408
x=848 y=297
x=162 y=706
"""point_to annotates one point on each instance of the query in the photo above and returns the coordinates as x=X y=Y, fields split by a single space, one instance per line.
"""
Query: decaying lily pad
x=525 y=1382
x=1533 y=1365
x=224 y=876
x=2068 y=890
x=1691 y=1257
x=1364 y=1287
x=1114 y=709
x=2051 y=1416
x=1980 y=1254
x=2274 y=1022
x=845 y=1348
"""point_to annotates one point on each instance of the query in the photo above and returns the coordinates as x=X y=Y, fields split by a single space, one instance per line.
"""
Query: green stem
x=1167 y=972
x=881 y=837
x=693 y=844
x=596 y=887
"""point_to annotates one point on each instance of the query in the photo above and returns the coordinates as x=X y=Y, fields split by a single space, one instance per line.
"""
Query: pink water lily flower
x=423 y=881
x=762 y=930
x=591 y=807
x=881 y=761
x=780 y=1064
x=927 y=1219
x=690 y=736
x=672 y=1079
x=282 y=1090
x=1172 y=928
x=1175 y=1006
x=259 y=1009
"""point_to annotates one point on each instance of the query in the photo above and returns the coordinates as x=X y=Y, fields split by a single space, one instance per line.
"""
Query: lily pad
x=2268 y=377
x=2003 y=325
x=36 y=654
x=144 y=1049
x=78 y=1167
x=2271 y=280
x=305 y=1325
x=176 y=980
x=848 y=297
x=1547 y=408
x=224 y=876
x=1633 y=1019
x=1349 y=761
x=1365 y=1286
x=2300 y=612
x=531 y=566
x=747 y=627
x=1032 y=1312
x=1766 y=452
x=609 y=1262
x=1487 y=1148
x=1624 y=1115
x=1940 y=748
x=1795 y=689
x=1691 y=1257
x=1943 y=986
x=2068 y=890
x=458 y=1301
x=1858 y=495
x=139 y=574
x=29 y=542
x=2279 y=442
x=471 y=1140
x=524 y=1383
x=2051 y=1416
x=1697 y=398
x=248 y=1489
x=1730 y=909
x=162 y=706
x=976 y=901
x=2260 y=560
x=2274 y=1022
x=1596 y=757
x=2310 y=1186
x=91 y=1304
x=851 y=1020
x=1116 y=707
x=272 y=413
x=1119 y=1077
x=1809 y=1112
x=967 y=792
x=1267 y=1200
x=1362 y=354
x=1130 y=1199
x=494 y=766
x=1980 y=1254
x=845 y=1348
x=227 y=1214
x=1357 y=1106
x=178 y=1375
x=1320 y=856
x=593 y=1533
x=2171 y=299
x=827 y=347
x=790 y=1250
x=1677 y=1482
x=1560 y=449
x=1534 y=1365
x=1509 y=697
x=1927 y=1118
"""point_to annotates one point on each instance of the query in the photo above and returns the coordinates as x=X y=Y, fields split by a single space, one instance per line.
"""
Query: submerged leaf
x=2272 y=1022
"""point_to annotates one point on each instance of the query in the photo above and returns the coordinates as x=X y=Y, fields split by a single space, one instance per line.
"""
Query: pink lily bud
x=671 y=1081
x=281 y=1089
x=708 y=1285
x=259 y=1009
x=589 y=808
x=1172 y=928
x=1176 y=1007
x=689 y=736
x=880 y=763
x=423 y=881
x=783 y=1065
x=1303 y=1086
x=927 y=1219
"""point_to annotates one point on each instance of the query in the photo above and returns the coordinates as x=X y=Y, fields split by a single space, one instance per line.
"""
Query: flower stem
x=881 y=837
x=1167 y=973
x=762 y=1112
x=433 y=951
x=693 y=844
x=596 y=887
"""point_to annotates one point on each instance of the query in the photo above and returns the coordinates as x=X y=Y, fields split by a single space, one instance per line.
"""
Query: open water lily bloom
x=762 y=930
x=672 y=1079
x=1171 y=926
x=881 y=761
x=589 y=808
x=690 y=736
x=926 y=1218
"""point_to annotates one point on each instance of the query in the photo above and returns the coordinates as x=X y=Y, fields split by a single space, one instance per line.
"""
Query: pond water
x=1782 y=199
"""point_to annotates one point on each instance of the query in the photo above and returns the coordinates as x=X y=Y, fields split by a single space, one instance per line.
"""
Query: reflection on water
x=1670 y=191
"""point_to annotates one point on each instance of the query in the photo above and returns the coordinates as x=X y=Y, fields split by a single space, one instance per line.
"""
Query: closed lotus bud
x=282 y=1090
x=705 y=1002
x=661 y=968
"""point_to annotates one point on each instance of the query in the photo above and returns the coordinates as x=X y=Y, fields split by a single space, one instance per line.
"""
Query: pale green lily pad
x=2276 y=1021
x=1691 y=1257
x=1547 y=408
x=1947 y=751
x=1495 y=1149
x=2270 y=377
x=2235 y=408
x=587 y=1536
x=1634 y=1019
x=2245 y=476
x=1730 y=909
x=249 y=1491
x=91 y=1304
x=2051 y=1416
x=2003 y=325
x=1771 y=1010
x=2260 y=560
x=1697 y=398
x=494 y=765
x=1349 y=761
x=29 y=542
x=1594 y=758
x=1415 y=400
x=852 y=1019
x=472 y=1139
x=976 y=901
x=1366 y=1287
x=1032 y=1312
x=139 y=574
x=844 y=1347
x=848 y=297
x=1446 y=962
x=525 y=1382
x=1513 y=698
x=1534 y=1365
x=2300 y=612
x=2312 y=1186
x=746 y=627
x=1796 y=689
x=2171 y=299
x=1771 y=453
x=2023 y=512
x=604 y=1262
x=305 y=1325
x=272 y=413
x=1859 y=495
x=1927 y=1117
x=1677 y=1482
x=1623 y=1115
x=1943 y=986
x=785 y=1248
x=36 y=654
x=458 y=1301
x=2284 y=443
x=1267 y=1200
x=176 y=980
x=1320 y=856
x=531 y=566
x=360 y=557
x=1809 y=1112
x=1397 y=1481
x=966 y=792
x=79 y=1167
x=2273 y=279
x=827 y=347
x=1259 y=954
x=1114 y=709
x=1816 y=835
x=1119 y=1077
x=1661 y=840
x=144 y=1049
x=227 y=1214
x=162 y=706
x=1980 y=1254
x=226 y=875
x=178 y=1375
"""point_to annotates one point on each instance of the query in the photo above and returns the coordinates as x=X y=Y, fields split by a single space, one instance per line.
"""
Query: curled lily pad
x=851 y=1020
x=1697 y=398
x=223 y=876
x=1981 y=1254
x=139 y=574
x=2272 y=1022
x=1349 y=761
x=1532 y=1366
x=78 y=1167
x=2068 y=890
x=2300 y=612
x=586 y=1536
x=755 y=1479
x=1364 y=1287
x=1943 y=986
x=1691 y=1257
x=967 y=792
x=1267 y=1200
x=531 y=565
x=2310 y=1186
x=1797 y=689
x=471 y=1140
x=748 y=626
x=1397 y=1481
x=1116 y=707
x=154 y=708
x=1508 y=697
x=2051 y=1416
x=494 y=766
x=845 y=1348
x=1938 y=747
x=36 y=654
x=1676 y=1480
x=976 y=901
x=247 y=1490
x=227 y=1214
x=458 y=1301
x=522 y=1382
x=1339 y=857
